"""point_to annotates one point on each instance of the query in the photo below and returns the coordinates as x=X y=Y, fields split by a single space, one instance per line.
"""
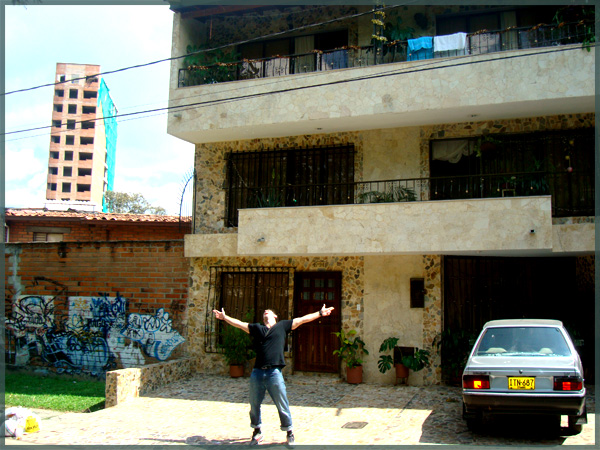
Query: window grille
x=559 y=163
x=244 y=293
x=293 y=177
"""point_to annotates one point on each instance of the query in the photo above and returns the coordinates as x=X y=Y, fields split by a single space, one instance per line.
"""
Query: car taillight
x=567 y=384
x=476 y=382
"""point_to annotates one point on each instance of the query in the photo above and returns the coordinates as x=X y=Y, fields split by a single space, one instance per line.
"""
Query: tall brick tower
x=81 y=164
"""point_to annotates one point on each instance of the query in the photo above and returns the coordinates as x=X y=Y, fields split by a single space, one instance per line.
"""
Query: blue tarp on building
x=109 y=112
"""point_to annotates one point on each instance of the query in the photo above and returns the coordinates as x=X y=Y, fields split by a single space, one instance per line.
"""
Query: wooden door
x=315 y=342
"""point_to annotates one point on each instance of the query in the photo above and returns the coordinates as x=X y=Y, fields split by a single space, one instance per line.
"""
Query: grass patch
x=58 y=393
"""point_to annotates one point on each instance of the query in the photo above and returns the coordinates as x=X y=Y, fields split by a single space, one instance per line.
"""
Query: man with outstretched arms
x=269 y=340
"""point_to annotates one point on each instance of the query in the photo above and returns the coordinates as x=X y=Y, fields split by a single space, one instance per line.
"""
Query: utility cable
x=430 y=65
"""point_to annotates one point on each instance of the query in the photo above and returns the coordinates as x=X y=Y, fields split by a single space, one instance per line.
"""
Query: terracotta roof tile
x=92 y=216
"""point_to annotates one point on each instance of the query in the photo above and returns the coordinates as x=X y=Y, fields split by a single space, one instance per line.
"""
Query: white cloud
x=24 y=116
x=159 y=174
x=22 y=164
x=25 y=179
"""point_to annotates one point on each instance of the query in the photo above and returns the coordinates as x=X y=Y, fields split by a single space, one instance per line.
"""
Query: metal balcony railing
x=572 y=192
x=347 y=57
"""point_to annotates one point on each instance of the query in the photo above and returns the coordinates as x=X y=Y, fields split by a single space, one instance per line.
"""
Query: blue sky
x=148 y=160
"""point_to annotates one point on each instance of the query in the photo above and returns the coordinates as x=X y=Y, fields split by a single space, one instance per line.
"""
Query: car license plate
x=523 y=383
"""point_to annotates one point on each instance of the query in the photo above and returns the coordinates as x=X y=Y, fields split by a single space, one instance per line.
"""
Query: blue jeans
x=269 y=380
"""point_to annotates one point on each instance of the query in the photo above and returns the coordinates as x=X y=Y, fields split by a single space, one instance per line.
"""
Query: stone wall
x=476 y=225
x=125 y=384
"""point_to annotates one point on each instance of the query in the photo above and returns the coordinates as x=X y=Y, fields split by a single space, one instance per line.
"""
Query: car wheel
x=574 y=428
x=473 y=420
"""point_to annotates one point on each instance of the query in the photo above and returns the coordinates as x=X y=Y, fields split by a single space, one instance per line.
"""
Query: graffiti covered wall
x=96 y=335
x=56 y=317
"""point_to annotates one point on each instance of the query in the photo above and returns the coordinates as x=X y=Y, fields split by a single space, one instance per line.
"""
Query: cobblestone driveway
x=214 y=410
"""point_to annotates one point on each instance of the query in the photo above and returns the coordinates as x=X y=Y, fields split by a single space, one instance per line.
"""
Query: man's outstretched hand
x=221 y=314
x=326 y=311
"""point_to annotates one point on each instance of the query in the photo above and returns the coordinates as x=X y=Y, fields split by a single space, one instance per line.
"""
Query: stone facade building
x=419 y=193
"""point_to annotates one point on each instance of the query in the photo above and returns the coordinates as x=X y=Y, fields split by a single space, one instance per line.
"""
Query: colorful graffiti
x=95 y=334
x=154 y=333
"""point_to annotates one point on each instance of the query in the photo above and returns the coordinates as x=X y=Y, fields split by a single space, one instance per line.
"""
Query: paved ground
x=214 y=410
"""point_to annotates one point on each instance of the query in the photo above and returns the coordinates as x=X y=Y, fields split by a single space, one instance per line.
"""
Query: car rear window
x=523 y=341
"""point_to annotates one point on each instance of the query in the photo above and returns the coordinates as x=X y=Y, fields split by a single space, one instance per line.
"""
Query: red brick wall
x=81 y=231
x=124 y=301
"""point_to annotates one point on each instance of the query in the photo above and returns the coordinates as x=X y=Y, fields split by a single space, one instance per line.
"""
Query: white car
x=524 y=366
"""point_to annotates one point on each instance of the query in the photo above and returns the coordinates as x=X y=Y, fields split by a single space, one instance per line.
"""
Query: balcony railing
x=350 y=56
x=572 y=192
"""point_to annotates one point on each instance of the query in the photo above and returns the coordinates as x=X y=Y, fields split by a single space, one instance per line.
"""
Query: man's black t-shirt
x=269 y=343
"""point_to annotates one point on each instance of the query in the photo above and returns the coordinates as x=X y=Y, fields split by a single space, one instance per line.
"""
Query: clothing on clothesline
x=420 y=48
x=448 y=42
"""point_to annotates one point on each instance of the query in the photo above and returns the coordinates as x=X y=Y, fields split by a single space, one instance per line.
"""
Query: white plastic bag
x=19 y=420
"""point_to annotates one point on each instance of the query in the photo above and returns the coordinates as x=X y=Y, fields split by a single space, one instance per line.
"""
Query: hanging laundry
x=456 y=41
x=420 y=48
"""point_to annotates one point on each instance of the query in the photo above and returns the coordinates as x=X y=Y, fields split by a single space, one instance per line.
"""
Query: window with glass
x=523 y=341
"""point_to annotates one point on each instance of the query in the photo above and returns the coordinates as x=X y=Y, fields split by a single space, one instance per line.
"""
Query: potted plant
x=351 y=350
x=386 y=361
x=417 y=361
x=237 y=349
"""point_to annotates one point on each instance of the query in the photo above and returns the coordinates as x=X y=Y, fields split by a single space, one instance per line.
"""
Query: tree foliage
x=125 y=203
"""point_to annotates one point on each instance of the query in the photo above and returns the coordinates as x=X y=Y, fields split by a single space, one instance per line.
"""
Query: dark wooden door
x=315 y=342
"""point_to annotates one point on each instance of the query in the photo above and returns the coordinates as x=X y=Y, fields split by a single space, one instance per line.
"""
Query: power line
x=247 y=41
x=429 y=65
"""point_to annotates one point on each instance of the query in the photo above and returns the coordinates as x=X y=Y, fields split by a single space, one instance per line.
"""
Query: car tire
x=473 y=420
x=474 y=423
x=574 y=428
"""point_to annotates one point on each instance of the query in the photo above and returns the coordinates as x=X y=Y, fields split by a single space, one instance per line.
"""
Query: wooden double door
x=315 y=342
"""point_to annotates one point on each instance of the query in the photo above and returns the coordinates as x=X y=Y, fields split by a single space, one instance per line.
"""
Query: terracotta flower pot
x=401 y=371
x=236 y=371
x=354 y=375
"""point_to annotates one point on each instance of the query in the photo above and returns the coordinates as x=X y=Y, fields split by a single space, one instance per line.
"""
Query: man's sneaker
x=290 y=438
x=257 y=437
